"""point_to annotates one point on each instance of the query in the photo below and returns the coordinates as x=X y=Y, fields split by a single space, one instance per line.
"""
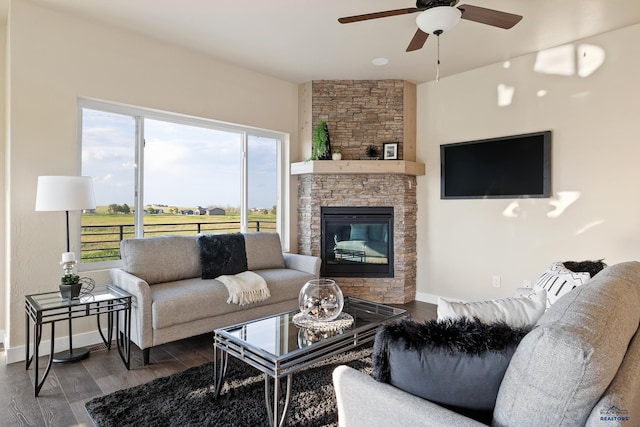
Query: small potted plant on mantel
x=336 y=154
x=320 y=142
x=372 y=153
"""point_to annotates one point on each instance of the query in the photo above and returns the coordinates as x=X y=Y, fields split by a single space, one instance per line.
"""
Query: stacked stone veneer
x=399 y=191
x=360 y=113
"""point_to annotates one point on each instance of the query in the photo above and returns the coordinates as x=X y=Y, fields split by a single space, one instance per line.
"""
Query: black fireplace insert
x=357 y=241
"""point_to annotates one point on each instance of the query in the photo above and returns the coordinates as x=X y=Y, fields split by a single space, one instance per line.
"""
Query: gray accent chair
x=172 y=301
x=579 y=366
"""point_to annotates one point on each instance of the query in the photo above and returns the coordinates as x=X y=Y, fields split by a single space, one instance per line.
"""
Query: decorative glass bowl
x=321 y=300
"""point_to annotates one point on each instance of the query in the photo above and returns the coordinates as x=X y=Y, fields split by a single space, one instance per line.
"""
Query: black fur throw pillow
x=591 y=267
x=456 y=363
x=222 y=254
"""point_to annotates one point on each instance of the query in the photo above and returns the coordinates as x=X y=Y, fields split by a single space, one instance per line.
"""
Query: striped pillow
x=558 y=280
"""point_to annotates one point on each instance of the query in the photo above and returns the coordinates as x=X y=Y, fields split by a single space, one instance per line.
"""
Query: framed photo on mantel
x=390 y=151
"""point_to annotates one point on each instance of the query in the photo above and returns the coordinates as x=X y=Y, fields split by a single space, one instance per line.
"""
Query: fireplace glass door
x=357 y=241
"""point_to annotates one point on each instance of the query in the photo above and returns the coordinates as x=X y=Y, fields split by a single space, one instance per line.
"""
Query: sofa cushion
x=222 y=254
x=285 y=278
x=177 y=303
x=264 y=251
x=564 y=365
x=517 y=311
x=161 y=259
x=458 y=363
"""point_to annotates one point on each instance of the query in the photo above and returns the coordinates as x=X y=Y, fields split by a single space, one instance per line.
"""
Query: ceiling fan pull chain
x=438 y=66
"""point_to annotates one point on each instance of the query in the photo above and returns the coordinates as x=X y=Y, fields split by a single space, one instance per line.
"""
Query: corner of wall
x=410 y=120
x=304 y=120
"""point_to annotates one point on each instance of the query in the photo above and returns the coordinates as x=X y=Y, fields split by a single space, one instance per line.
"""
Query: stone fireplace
x=360 y=113
x=325 y=190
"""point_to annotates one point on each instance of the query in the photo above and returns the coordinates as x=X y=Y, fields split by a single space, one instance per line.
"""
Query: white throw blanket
x=245 y=288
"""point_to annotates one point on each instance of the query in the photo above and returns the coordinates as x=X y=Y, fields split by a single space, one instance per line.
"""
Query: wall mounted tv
x=507 y=167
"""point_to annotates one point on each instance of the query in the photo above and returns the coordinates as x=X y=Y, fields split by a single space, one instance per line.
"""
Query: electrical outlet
x=526 y=283
x=495 y=281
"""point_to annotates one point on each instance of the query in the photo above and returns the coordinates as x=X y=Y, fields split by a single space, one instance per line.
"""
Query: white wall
x=56 y=58
x=3 y=301
x=595 y=152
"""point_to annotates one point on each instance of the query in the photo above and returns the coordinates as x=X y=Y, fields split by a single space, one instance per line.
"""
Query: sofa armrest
x=362 y=401
x=307 y=263
x=141 y=324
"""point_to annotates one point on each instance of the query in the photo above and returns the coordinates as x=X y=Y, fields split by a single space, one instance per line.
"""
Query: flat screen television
x=506 y=167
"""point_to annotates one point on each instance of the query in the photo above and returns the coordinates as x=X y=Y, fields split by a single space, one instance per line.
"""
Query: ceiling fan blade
x=375 y=15
x=418 y=40
x=491 y=17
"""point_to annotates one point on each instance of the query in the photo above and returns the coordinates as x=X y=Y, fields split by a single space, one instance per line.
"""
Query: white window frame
x=139 y=114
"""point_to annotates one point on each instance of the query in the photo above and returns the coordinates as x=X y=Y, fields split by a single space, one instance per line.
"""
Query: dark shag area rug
x=186 y=398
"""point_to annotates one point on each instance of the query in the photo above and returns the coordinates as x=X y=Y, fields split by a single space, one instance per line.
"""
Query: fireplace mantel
x=401 y=167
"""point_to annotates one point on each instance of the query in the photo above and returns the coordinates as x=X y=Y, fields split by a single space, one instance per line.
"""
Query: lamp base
x=69 y=356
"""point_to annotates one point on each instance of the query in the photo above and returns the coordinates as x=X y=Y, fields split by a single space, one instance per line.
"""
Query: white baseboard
x=17 y=354
x=433 y=299
x=425 y=297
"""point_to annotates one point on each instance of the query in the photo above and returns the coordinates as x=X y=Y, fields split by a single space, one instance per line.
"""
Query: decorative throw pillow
x=456 y=363
x=591 y=267
x=222 y=254
x=516 y=312
x=558 y=280
x=359 y=232
x=264 y=251
x=377 y=232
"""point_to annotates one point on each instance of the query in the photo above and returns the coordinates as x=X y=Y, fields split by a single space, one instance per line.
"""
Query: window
x=161 y=174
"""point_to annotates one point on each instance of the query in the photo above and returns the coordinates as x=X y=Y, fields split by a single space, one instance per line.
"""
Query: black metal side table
x=50 y=307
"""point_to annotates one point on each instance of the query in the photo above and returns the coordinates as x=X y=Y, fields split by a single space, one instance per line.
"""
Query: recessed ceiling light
x=380 y=61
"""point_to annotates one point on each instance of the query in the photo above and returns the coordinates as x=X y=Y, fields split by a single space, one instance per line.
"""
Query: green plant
x=336 y=151
x=69 y=279
x=372 y=151
x=320 y=141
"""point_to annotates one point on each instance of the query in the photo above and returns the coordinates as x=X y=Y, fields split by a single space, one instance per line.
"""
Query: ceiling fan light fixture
x=440 y=18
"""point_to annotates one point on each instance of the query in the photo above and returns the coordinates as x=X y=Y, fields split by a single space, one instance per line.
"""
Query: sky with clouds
x=185 y=166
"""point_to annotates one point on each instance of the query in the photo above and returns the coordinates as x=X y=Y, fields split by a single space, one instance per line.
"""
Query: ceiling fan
x=438 y=16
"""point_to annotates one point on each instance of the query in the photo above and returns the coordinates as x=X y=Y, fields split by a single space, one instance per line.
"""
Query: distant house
x=88 y=211
x=216 y=211
x=199 y=211
x=186 y=212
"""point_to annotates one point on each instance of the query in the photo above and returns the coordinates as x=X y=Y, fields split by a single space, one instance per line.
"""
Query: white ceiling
x=301 y=40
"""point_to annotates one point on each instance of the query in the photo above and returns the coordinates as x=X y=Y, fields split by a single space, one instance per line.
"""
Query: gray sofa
x=172 y=301
x=579 y=366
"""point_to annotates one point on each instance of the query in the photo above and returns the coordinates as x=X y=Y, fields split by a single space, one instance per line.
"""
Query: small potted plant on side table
x=70 y=284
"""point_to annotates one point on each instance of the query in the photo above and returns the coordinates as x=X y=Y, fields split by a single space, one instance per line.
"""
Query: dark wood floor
x=69 y=386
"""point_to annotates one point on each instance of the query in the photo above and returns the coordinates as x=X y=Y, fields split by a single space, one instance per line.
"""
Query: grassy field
x=102 y=232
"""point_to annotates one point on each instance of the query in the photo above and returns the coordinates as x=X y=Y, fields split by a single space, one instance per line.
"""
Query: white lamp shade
x=440 y=18
x=65 y=193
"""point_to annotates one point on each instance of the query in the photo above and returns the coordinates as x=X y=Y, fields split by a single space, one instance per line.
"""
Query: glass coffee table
x=278 y=348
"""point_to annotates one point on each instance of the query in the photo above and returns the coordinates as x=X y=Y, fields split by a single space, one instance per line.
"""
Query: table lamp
x=66 y=193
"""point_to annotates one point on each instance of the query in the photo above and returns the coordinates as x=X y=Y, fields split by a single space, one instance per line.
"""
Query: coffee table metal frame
x=50 y=307
x=367 y=317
